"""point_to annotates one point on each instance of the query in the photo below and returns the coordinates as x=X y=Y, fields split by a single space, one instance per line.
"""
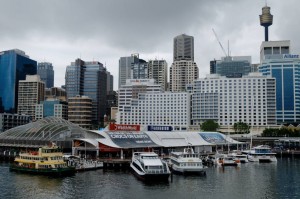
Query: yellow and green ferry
x=48 y=160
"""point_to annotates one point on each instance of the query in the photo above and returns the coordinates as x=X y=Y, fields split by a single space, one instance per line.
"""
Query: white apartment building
x=31 y=92
x=145 y=103
x=250 y=99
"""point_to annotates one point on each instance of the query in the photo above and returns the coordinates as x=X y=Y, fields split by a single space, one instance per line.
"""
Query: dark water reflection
x=252 y=180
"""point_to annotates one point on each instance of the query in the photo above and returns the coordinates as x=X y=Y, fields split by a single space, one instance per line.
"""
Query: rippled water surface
x=252 y=180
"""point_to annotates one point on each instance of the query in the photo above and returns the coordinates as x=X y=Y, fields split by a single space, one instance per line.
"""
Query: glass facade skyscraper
x=125 y=65
x=236 y=66
x=139 y=70
x=46 y=72
x=88 y=79
x=14 y=66
x=285 y=68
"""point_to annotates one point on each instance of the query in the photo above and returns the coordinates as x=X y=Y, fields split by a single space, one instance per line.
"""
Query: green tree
x=241 y=128
x=209 y=125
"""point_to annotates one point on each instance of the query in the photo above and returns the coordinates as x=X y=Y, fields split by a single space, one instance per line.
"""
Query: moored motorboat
x=47 y=160
x=82 y=164
x=148 y=166
x=237 y=155
x=226 y=160
x=186 y=162
x=262 y=153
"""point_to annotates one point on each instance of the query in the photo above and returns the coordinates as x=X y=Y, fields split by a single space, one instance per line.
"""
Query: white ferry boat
x=186 y=162
x=262 y=153
x=148 y=166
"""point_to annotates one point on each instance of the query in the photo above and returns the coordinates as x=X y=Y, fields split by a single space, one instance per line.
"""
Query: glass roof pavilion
x=44 y=131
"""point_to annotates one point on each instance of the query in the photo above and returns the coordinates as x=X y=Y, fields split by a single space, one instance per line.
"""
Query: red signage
x=105 y=148
x=124 y=127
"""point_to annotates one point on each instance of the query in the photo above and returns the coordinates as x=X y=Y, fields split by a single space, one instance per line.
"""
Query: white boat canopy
x=146 y=139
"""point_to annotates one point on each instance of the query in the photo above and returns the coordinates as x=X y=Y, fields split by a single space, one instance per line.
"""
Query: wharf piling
x=116 y=163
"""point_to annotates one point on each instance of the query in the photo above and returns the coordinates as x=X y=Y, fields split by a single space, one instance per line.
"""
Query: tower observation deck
x=266 y=19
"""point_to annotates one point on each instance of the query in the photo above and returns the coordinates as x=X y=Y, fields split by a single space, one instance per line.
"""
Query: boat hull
x=49 y=172
x=186 y=171
x=263 y=160
x=150 y=176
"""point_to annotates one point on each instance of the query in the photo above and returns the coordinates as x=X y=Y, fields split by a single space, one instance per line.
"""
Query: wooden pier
x=116 y=163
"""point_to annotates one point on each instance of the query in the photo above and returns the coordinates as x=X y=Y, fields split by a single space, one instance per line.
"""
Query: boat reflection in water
x=149 y=167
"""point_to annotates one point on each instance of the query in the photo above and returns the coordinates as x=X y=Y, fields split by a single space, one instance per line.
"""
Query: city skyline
x=105 y=31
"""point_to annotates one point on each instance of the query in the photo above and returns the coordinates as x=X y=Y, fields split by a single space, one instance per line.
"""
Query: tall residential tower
x=31 y=92
x=183 y=70
x=158 y=70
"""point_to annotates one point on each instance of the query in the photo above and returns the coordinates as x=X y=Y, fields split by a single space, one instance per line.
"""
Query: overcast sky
x=59 y=31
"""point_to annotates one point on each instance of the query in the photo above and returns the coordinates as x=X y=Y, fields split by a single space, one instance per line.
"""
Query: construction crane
x=220 y=43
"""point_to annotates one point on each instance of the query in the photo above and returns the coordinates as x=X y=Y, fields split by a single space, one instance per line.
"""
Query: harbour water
x=251 y=180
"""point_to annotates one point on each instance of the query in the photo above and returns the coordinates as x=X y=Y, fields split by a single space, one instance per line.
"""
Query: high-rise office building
x=125 y=65
x=233 y=66
x=14 y=66
x=31 y=92
x=88 y=79
x=184 y=70
x=139 y=70
x=183 y=48
x=109 y=82
x=158 y=70
x=46 y=72
x=285 y=69
x=274 y=48
x=80 y=111
x=56 y=93
x=213 y=66
x=52 y=107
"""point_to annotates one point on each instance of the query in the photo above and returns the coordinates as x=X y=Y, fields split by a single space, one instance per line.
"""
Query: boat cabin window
x=154 y=167
x=51 y=150
x=262 y=150
x=149 y=157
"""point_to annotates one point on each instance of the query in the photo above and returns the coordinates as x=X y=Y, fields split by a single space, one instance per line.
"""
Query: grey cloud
x=106 y=30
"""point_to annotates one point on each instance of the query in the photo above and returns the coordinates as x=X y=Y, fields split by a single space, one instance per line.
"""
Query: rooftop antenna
x=228 y=49
x=219 y=43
